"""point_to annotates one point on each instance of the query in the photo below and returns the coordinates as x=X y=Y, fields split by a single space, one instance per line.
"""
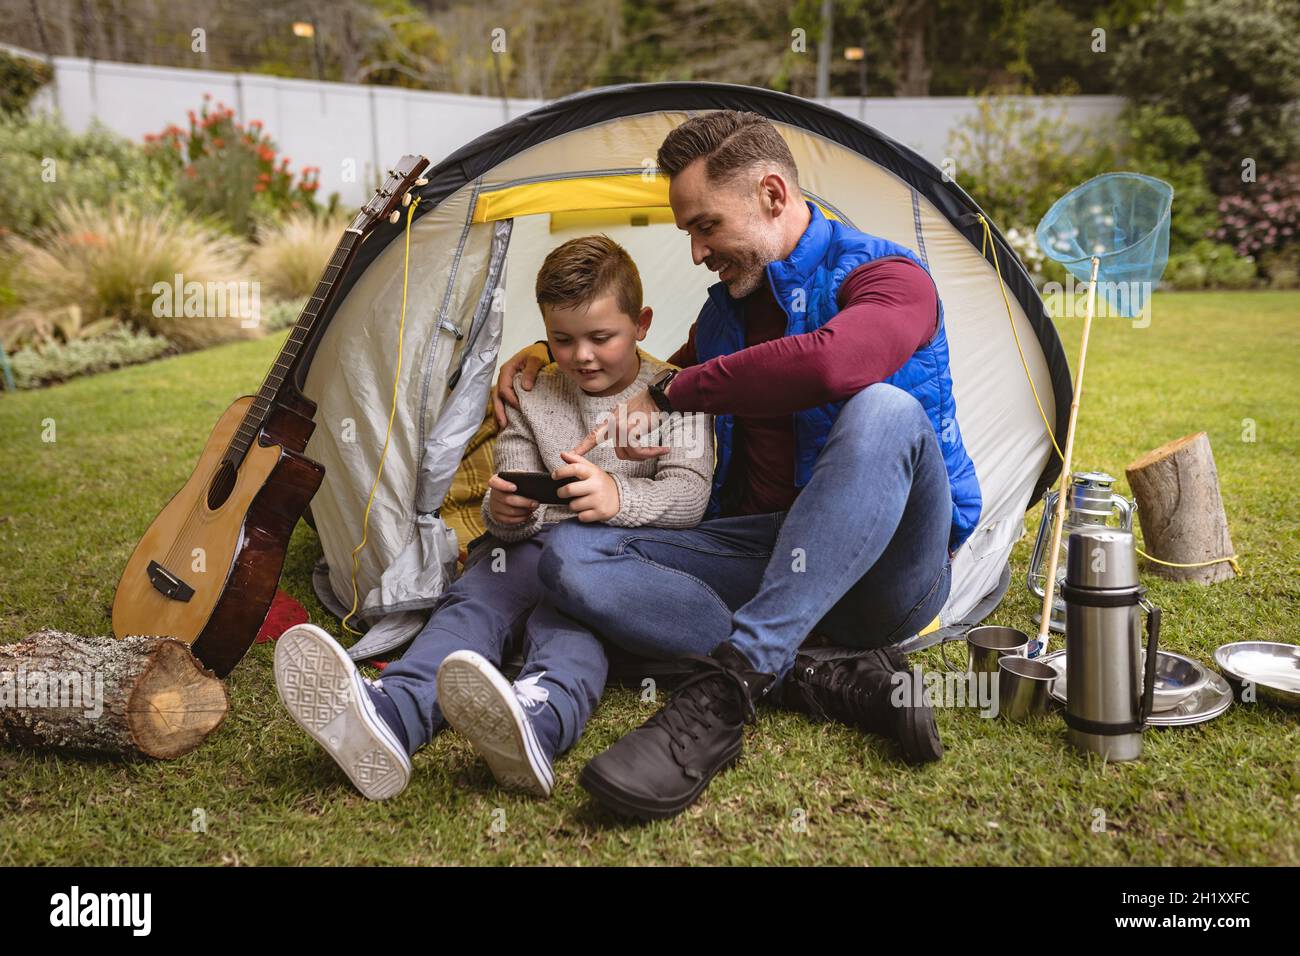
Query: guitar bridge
x=168 y=584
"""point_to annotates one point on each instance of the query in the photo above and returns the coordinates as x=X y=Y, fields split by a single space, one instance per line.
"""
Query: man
x=841 y=491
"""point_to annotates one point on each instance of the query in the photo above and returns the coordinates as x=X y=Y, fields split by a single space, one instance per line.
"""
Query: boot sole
x=608 y=794
x=323 y=692
x=918 y=736
x=480 y=704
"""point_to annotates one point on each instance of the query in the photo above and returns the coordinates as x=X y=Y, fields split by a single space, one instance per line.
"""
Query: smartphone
x=538 y=485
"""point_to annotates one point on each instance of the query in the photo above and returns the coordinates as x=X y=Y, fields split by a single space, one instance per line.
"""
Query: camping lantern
x=1091 y=504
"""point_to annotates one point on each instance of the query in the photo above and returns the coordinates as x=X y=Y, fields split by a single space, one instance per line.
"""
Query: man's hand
x=636 y=414
x=529 y=361
x=505 y=507
x=594 y=494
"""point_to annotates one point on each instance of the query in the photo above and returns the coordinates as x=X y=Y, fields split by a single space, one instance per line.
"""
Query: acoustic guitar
x=206 y=570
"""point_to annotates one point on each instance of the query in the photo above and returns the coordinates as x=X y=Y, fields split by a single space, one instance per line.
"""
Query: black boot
x=855 y=687
x=661 y=768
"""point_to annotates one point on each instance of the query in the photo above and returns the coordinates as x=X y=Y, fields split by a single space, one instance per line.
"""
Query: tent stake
x=1049 y=586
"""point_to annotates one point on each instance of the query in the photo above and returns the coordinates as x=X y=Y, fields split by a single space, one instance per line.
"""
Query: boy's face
x=595 y=344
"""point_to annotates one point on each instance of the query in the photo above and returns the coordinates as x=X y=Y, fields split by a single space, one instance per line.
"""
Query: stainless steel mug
x=986 y=645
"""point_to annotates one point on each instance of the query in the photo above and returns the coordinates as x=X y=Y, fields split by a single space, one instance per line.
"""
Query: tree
x=1232 y=67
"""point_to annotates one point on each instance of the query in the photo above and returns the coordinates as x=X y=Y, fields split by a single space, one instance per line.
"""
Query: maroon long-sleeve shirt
x=888 y=309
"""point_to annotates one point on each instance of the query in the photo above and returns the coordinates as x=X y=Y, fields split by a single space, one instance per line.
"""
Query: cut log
x=139 y=696
x=1181 y=511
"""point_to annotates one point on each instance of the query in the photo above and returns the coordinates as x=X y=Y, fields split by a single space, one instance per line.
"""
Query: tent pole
x=1049 y=586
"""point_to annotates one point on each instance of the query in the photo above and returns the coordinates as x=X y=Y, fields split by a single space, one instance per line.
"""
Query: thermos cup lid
x=1101 y=558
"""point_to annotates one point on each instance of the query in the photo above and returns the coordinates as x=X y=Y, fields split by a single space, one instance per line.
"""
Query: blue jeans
x=861 y=556
x=497 y=600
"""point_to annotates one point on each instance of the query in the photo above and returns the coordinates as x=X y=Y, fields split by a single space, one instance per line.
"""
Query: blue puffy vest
x=806 y=284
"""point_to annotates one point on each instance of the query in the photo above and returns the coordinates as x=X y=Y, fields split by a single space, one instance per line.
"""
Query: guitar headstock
x=394 y=195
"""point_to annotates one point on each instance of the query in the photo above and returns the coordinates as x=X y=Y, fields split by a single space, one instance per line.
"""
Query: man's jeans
x=861 y=556
x=496 y=602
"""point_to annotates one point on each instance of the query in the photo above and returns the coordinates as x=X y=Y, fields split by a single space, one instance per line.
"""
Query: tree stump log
x=1181 y=511
x=140 y=696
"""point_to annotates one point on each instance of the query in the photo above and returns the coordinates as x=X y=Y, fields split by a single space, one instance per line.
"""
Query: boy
x=589 y=293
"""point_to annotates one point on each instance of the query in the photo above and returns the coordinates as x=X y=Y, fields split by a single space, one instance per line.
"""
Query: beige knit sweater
x=670 y=491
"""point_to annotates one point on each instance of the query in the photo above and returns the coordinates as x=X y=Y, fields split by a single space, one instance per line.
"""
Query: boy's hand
x=594 y=494
x=638 y=413
x=530 y=361
x=505 y=507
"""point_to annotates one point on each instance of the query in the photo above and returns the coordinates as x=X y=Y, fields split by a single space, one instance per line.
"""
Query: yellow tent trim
x=604 y=218
x=571 y=195
x=580 y=194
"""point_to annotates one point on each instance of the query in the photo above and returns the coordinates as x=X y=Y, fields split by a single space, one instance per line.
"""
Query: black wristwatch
x=659 y=390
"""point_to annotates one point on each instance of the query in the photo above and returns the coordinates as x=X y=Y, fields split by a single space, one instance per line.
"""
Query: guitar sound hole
x=222 y=485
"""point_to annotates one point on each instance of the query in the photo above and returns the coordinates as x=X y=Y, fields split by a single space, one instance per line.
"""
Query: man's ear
x=643 y=322
x=775 y=192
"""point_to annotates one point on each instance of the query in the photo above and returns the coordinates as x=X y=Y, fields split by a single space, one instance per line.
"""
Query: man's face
x=732 y=230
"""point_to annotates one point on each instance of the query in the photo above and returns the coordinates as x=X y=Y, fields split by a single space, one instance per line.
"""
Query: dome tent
x=489 y=214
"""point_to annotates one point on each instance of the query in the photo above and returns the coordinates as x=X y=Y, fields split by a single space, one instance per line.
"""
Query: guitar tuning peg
x=395 y=217
x=406 y=199
x=422 y=181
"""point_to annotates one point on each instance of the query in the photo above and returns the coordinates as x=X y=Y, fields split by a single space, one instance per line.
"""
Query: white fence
x=351 y=131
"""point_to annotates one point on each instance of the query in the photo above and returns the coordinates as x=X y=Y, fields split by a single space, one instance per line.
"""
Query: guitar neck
x=268 y=395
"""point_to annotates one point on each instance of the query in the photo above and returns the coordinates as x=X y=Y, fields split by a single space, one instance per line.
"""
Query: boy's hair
x=730 y=141
x=581 y=270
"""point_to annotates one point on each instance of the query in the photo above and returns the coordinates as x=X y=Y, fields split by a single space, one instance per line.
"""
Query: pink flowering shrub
x=1265 y=216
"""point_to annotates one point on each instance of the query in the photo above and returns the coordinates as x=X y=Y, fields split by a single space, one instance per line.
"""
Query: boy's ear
x=643 y=322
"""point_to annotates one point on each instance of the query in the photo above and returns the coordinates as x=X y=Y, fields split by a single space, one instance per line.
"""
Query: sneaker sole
x=480 y=704
x=609 y=795
x=323 y=692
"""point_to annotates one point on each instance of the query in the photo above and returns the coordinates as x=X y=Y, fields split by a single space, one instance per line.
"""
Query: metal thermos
x=1108 y=691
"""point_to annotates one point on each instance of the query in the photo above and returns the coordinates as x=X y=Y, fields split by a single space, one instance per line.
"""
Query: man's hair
x=583 y=269
x=730 y=141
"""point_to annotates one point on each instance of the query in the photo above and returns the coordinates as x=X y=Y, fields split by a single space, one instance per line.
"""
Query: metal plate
x=1213 y=698
x=1274 y=668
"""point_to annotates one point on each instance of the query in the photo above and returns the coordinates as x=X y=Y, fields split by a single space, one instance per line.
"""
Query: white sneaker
x=486 y=708
x=326 y=694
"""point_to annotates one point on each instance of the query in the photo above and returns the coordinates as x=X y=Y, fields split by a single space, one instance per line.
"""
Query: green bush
x=1210 y=265
x=281 y=314
x=59 y=362
x=1016 y=160
x=20 y=78
x=1232 y=67
x=1282 y=267
x=1167 y=147
x=43 y=164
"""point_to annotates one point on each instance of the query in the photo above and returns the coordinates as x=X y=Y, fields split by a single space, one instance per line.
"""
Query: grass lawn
x=1225 y=792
